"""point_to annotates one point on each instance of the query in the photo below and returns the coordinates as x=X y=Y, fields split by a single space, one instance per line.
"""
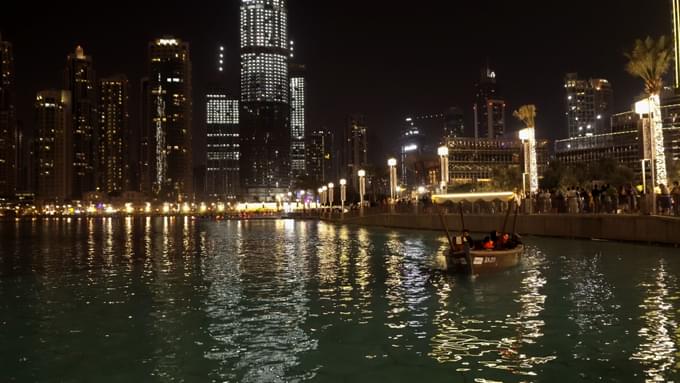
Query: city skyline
x=334 y=74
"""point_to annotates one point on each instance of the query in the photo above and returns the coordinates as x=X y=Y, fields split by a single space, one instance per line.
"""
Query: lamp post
x=362 y=188
x=343 y=194
x=443 y=153
x=320 y=190
x=325 y=195
x=330 y=196
x=528 y=137
x=392 y=163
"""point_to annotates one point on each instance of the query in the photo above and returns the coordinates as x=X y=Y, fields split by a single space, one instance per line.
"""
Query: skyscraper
x=675 y=12
x=455 y=122
x=113 y=134
x=355 y=147
x=166 y=163
x=489 y=108
x=297 y=120
x=589 y=106
x=319 y=156
x=8 y=123
x=223 y=149
x=223 y=145
x=80 y=80
x=265 y=109
x=54 y=145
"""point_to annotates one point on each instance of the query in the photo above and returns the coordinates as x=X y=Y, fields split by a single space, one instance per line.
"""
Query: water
x=178 y=300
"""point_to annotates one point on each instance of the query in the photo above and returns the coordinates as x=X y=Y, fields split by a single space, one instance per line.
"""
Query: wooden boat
x=462 y=259
x=483 y=261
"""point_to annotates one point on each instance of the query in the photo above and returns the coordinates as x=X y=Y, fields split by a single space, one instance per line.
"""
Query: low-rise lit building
x=476 y=160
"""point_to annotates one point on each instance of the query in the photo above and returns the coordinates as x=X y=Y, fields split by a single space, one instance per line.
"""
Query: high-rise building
x=113 y=134
x=454 y=122
x=589 y=106
x=414 y=146
x=675 y=12
x=166 y=162
x=8 y=123
x=298 y=121
x=80 y=80
x=54 y=145
x=26 y=160
x=489 y=108
x=223 y=145
x=355 y=147
x=223 y=151
x=265 y=98
x=319 y=156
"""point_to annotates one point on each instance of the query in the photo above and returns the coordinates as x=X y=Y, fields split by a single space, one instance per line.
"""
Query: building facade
x=265 y=98
x=166 y=158
x=223 y=145
x=675 y=21
x=114 y=134
x=355 y=148
x=54 y=145
x=476 y=160
x=8 y=123
x=589 y=106
x=489 y=107
x=80 y=80
x=319 y=156
x=298 y=120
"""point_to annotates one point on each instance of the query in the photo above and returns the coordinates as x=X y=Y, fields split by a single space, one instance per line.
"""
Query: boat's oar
x=446 y=229
x=514 y=223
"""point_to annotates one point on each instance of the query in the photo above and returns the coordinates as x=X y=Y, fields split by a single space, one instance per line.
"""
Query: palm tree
x=650 y=60
x=527 y=114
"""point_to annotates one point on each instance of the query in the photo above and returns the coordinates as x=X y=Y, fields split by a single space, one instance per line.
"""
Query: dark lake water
x=178 y=300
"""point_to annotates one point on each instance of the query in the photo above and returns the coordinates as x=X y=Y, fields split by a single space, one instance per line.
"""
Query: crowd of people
x=606 y=199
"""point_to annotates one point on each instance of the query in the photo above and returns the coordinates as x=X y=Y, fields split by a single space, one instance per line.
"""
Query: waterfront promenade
x=616 y=227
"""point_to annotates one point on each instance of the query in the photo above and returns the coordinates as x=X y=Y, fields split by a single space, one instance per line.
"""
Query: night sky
x=384 y=59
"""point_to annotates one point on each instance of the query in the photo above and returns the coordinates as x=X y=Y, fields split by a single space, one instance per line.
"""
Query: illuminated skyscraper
x=675 y=12
x=297 y=120
x=8 y=124
x=166 y=162
x=489 y=108
x=54 y=145
x=223 y=145
x=265 y=98
x=589 y=106
x=113 y=134
x=80 y=79
x=223 y=149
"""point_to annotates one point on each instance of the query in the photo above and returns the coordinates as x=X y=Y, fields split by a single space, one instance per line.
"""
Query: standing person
x=596 y=198
x=572 y=202
x=675 y=193
x=665 y=200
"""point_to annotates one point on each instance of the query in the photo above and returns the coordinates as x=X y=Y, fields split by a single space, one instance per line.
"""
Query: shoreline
x=641 y=229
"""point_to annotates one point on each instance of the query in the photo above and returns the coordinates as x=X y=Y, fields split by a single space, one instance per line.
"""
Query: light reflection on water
x=658 y=346
x=179 y=299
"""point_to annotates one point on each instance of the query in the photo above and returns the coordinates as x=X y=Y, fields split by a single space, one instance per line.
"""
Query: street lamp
x=343 y=194
x=362 y=186
x=443 y=152
x=392 y=163
x=330 y=195
x=528 y=137
x=325 y=194
x=320 y=190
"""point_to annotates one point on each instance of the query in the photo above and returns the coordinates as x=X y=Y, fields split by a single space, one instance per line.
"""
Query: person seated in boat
x=467 y=238
x=487 y=244
x=503 y=242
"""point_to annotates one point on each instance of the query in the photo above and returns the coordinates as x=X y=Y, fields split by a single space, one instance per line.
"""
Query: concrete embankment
x=633 y=228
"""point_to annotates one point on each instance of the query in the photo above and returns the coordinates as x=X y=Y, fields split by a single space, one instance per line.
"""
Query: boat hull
x=484 y=261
